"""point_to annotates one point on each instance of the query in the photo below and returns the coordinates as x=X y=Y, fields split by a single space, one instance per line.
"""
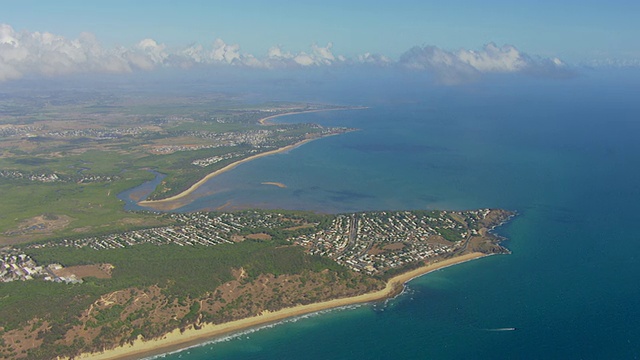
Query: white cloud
x=220 y=53
x=493 y=59
x=49 y=54
x=447 y=67
x=304 y=59
x=318 y=56
x=7 y=35
x=153 y=51
x=323 y=55
x=11 y=54
x=251 y=61
x=375 y=59
x=225 y=53
x=193 y=52
x=275 y=52
x=46 y=54
x=146 y=55
x=453 y=67
x=278 y=58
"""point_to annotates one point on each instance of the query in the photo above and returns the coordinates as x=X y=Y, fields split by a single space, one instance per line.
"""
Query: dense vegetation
x=182 y=272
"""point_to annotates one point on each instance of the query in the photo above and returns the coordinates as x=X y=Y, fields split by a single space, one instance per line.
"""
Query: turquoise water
x=564 y=154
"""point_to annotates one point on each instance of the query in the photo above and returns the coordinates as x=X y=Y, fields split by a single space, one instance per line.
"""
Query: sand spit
x=179 y=200
x=174 y=202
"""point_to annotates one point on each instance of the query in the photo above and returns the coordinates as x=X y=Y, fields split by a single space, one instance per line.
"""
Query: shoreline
x=166 y=203
x=264 y=121
x=172 y=202
x=176 y=340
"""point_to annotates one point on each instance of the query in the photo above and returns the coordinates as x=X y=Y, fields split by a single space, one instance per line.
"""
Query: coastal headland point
x=86 y=277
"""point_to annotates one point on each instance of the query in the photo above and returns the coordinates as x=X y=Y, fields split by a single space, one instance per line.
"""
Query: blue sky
x=455 y=40
x=572 y=30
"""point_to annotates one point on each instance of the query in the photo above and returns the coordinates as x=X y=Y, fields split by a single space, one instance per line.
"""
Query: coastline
x=176 y=340
x=264 y=121
x=172 y=203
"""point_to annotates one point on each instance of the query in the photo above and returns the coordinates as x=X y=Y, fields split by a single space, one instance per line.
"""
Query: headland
x=177 y=340
x=252 y=267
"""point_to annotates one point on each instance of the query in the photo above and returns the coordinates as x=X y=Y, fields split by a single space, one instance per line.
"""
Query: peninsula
x=253 y=267
x=178 y=339
x=86 y=278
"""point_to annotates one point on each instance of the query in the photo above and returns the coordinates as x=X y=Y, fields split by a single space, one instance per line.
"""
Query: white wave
x=238 y=335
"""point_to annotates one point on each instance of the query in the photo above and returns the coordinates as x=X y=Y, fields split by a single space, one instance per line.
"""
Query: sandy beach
x=179 y=200
x=176 y=340
x=174 y=202
x=265 y=121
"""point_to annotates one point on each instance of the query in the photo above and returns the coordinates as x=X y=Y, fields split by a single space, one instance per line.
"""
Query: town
x=375 y=242
x=79 y=178
x=369 y=242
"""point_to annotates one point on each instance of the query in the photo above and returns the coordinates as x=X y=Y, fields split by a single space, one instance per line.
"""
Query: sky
x=325 y=32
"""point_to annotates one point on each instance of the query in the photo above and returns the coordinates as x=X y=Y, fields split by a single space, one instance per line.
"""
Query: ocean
x=564 y=153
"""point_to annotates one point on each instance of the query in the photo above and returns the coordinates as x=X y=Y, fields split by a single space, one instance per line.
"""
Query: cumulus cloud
x=147 y=54
x=323 y=55
x=225 y=53
x=222 y=53
x=494 y=59
x=7 y=35
x=454 y=67
x=219 y=53
x=49 y=54
x=46 y=54
x=374 y=59
x=318 y=56
x=35 y=53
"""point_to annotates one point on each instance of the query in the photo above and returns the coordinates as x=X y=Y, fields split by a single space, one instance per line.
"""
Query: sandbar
x=278 y=184
x=176 y=340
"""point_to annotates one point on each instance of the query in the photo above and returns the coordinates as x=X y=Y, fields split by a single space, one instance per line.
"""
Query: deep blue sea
x=564 y=153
